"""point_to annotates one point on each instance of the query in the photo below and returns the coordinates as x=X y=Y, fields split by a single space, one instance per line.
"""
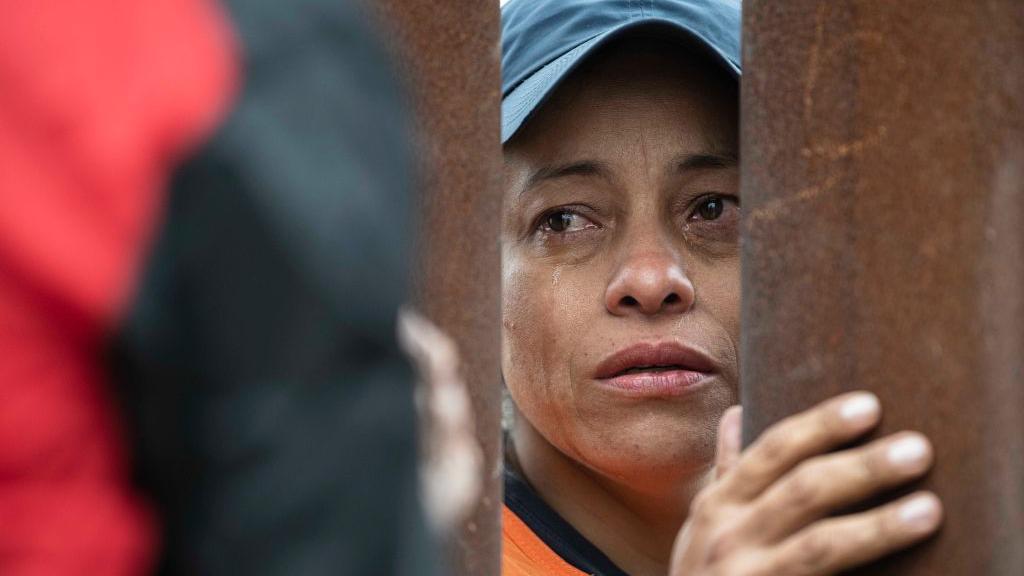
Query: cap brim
x=525 y=98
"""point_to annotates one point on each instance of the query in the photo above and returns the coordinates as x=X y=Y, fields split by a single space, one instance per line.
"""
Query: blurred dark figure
x=222 y=191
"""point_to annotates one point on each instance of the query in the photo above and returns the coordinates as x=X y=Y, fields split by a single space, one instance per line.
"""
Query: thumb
x=729 y=430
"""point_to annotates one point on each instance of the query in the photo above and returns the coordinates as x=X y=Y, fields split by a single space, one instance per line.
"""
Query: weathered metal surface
x=883 y=184
x=450 y=60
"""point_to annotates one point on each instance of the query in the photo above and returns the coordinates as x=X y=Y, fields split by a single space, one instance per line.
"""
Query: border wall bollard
x=883 y=191
x=449 y=54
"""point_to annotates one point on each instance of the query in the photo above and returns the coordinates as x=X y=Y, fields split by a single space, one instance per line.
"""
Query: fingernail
x=921 y=513
x=907 y=451
x=863 y=407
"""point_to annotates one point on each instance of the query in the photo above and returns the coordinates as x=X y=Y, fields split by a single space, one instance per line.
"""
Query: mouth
x=655 y=369
x=652 y=369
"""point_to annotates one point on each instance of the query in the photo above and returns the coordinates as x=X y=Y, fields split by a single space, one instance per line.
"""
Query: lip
x=690 y=367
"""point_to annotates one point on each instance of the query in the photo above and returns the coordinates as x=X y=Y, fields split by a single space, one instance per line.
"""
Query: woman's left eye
x=562 y=221
x=711 y=207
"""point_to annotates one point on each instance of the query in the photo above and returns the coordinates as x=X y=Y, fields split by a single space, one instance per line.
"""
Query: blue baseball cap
x=544 y=40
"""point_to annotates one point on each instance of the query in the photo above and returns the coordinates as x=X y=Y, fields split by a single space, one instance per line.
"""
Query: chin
x=653 y=452
x=652 y=443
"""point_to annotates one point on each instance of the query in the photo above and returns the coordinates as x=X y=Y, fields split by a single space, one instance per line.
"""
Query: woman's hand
x=767 y=511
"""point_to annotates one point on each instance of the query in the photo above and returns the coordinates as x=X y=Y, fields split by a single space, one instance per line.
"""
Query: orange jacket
x=524 y=554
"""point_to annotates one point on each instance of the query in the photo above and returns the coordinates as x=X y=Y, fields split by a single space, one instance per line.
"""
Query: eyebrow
x=582 y=168
x=591 y=168
x=689 y=162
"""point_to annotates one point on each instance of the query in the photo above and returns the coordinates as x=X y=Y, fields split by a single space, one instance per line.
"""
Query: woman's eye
x=565 y=221
x=710 y=208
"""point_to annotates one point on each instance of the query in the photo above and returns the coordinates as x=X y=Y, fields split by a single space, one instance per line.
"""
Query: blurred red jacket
x=97 y=102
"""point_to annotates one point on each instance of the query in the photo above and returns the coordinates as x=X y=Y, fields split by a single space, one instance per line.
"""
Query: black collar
x=553 y=530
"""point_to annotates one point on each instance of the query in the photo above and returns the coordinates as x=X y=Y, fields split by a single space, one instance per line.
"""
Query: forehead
x=649 y=87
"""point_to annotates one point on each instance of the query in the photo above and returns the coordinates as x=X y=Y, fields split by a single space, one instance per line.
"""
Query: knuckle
x=737 y=567
x=814 y=552
x=756 y=471
x=802 y=489
x=774 y=445
x=881 y=527
x=718 y=552
x=827 y=425
x=704 y=506
x=726 y=547
x=879 y=530
x=873 y=468
x=757 y=567
x=722 y=546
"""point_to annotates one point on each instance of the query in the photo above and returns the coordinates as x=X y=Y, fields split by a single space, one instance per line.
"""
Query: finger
x=837 y=544
x=729 y=443
x=824 y=484
x=799 y=437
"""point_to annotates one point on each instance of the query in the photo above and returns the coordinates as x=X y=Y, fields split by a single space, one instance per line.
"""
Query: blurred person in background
x=202 y=251
x=621 y=299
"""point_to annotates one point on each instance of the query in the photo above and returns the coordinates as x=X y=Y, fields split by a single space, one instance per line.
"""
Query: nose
x=649 y=283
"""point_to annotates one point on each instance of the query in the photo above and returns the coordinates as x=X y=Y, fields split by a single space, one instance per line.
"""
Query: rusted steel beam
x=449 y=56
x=883 y=184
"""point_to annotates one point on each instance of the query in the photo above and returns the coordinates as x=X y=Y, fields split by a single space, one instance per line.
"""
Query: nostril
x=672 y=298
x=629 y=301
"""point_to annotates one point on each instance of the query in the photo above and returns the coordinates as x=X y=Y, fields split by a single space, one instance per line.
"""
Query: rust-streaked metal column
x=883 y=184
x=449 y=54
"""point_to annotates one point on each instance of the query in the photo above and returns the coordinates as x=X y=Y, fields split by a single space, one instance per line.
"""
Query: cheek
x=718 y=294
x=725 y=297
x=540 y=330
x=524 y=330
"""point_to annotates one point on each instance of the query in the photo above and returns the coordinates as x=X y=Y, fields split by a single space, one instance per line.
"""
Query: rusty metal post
x=883 y=184
x=449 y=56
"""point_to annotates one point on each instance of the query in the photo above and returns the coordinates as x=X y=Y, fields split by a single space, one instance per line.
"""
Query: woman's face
x=620 y=246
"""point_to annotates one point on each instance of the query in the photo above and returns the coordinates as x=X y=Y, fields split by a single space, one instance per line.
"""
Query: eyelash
x=540 y=225
x=701 y=200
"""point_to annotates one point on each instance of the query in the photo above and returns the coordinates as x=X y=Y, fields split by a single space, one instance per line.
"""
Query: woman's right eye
x=563 y=221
